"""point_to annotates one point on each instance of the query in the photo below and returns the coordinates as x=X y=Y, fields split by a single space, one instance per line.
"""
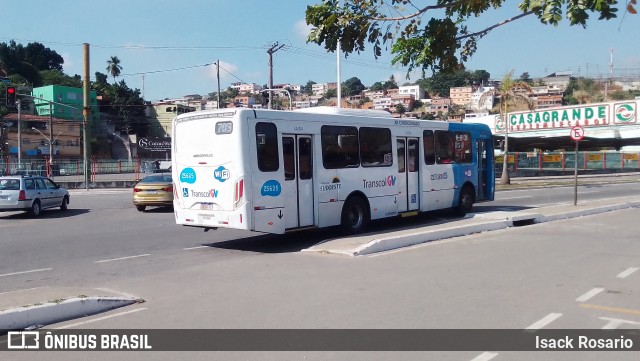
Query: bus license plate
x=207 y=206
x=205 y=217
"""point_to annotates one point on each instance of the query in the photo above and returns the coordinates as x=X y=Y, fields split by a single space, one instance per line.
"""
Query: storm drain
x=524 y=222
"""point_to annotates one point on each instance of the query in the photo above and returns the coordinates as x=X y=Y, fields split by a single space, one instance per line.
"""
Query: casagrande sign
x=592 y=115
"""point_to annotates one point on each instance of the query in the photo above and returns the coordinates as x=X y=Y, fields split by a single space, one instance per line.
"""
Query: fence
x=72 y=170
x=521 y=164
x=557 y=163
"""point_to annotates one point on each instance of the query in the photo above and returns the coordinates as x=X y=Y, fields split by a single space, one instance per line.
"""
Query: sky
x=167 y=49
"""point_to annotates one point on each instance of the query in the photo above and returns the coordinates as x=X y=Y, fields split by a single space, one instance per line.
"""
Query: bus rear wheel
x=355 y=215
x=465 y=201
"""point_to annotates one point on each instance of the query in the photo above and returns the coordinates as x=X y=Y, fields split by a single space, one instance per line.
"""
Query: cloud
x=302 y=30
x=68 y=64
x=401 y=77
x=228 y=72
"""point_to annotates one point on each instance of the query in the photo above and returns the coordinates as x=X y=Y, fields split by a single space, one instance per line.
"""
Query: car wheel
x=355 y=215
x=465 y=201
x=35 y=208
x=65 y=203
x=141 y=208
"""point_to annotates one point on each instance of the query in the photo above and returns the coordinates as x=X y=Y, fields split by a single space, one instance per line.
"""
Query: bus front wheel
x=465 y=201
x=355 y=215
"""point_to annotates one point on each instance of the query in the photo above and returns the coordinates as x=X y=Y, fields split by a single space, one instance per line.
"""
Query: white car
x=31 y=194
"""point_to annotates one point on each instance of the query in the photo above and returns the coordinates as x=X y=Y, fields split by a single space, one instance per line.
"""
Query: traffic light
x=11 y=96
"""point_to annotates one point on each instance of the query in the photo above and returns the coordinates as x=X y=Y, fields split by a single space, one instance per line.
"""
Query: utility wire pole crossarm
x=275 y=47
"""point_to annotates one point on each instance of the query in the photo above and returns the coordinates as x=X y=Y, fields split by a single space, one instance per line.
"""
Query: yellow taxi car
x=153 y=190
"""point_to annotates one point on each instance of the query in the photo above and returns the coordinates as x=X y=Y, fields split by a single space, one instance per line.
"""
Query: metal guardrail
x=72 y=170
x=520 y=164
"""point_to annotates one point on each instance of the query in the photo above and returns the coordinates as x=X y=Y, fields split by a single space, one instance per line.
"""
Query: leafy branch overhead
x=434 y=35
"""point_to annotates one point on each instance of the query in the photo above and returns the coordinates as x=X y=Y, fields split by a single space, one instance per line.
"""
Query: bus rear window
x=267 y=147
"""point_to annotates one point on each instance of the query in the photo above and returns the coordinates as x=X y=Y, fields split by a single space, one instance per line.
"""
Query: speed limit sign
x=577 y=133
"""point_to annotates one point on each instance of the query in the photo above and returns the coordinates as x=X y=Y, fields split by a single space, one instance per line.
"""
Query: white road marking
x=100 y=318
x=589 y=294
x=14 y=291
x=627 y=272
x=23 y=272
x=485 y=356
x=122 y=258
x=543 y=322
x=190 y=248
x=509 y=198
x=615 y=322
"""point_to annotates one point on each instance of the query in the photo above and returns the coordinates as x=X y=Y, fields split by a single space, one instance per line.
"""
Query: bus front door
x=408 y=177
x=298 y=180
x=483 y=163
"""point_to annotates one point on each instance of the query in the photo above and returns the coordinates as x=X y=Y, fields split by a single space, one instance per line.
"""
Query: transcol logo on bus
x=212 y=193
x=390 y=181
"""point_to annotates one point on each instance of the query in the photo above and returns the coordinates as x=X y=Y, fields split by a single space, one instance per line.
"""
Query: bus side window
x=305 y=152
x=340 y=147
x=288 y=158
x=375 y=147
x=267 y=147
x=463 y=147
x=444 y=147
x=429 y=147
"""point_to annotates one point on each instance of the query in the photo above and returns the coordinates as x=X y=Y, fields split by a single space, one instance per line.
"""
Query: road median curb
x=477 y=223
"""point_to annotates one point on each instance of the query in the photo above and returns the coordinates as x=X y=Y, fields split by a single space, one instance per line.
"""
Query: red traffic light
x=11 y=96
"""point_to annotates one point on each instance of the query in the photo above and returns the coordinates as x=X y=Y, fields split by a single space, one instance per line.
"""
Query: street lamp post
x=50 y=145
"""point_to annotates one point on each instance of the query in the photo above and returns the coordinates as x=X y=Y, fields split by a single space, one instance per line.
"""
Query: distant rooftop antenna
x=611 y=64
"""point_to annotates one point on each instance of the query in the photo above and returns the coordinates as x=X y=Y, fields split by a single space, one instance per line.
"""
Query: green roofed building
x=64 y=95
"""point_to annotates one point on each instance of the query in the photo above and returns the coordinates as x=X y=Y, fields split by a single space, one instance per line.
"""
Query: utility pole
x=19 y=133
x=275 y=47
x=50 y=139
x=86 y=115
x=218 y=76
x=338 y=71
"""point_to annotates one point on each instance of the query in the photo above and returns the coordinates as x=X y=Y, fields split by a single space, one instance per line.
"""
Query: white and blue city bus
x=275 y=171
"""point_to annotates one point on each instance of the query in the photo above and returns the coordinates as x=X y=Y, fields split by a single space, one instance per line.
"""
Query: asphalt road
x=562 y=275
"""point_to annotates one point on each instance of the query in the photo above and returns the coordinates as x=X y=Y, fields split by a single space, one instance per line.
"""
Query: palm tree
x=511 y=92
x=114 y=67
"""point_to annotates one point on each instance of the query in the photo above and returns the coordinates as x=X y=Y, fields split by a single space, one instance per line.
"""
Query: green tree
x=441 y=82
x=511 y=93
x=446 y=40
x=113 y=67
x=583 y=91
x=57 y=77
x=308 y=88
x=391 y=83
x=525 y=78
x=352 y=86
x=377 y=86
x=13 y=55
x=428 y=116
x=331 y=93
x=479 y=76
x=42 y=58
x=400 y=109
